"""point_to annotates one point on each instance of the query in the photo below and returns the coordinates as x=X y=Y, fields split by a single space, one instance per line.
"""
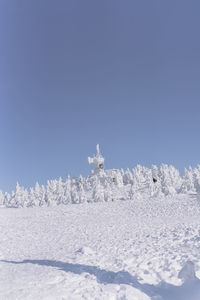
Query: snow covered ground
x=140 y=249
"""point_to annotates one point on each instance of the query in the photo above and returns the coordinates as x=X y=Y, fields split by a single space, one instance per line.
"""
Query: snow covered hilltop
x=107 y=185
x=122 y=250
x=144 y=249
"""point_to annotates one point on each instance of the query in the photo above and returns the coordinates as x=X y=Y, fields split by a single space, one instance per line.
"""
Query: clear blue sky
x=125 y=74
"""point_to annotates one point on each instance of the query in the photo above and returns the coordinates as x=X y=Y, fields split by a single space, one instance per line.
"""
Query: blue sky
x=125 y=74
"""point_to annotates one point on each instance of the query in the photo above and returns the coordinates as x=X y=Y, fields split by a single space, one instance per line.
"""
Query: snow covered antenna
x=97 y=160
x=98 y=151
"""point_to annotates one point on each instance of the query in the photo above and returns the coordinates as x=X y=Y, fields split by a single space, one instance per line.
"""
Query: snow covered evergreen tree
x=67 y=191
x=188 y=182
x=196 y=178
x=1 y=198
x=170 y=180
x=74 y=191
x=98 y=193
x=7 y=199
x=19 y=198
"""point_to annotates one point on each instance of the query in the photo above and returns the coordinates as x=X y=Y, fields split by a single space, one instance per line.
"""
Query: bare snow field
x=136 y=250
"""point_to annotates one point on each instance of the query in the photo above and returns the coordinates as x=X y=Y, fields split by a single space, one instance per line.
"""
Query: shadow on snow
x=190 y=290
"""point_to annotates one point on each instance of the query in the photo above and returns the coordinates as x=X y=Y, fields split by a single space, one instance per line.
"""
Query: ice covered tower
x=98 y=162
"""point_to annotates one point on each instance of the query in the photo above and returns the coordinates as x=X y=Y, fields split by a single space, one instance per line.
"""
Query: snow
x=140 y=249
x=107 y=185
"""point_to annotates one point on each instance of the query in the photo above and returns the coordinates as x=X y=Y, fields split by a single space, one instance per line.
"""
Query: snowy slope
x=147 y=249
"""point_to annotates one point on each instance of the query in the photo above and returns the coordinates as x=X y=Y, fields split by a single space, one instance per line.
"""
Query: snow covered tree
x=40 y=195
x=19 y=197
x=7 y=199
x=51 y=196
x=74 y=194
x=98 y=193
x=141 y=178
x=108 y=191
x=60 y=192
x=155 y=186
x=31 y=198
x=127 y=177
x=170 y=180
x=196 y=179
x=118 y=178
x=1 y=198
x=67 y=191
x=188 y=182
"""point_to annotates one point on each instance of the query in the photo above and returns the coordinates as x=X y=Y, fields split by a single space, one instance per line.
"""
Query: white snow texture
x=103 y=249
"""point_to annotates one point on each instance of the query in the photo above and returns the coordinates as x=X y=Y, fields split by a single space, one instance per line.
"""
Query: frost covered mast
x=98 y=162
x=113 y=175
x=107 y=184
